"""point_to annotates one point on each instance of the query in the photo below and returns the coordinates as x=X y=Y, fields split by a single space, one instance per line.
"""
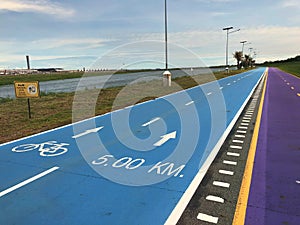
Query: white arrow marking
x=95 y=130
x=151 y=121
x=165 y=138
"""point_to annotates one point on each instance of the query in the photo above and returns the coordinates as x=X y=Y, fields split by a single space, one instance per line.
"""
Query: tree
x=238 y=56
x=246 y=61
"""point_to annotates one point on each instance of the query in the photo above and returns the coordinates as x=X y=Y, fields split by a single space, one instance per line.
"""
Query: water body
x=103 y=81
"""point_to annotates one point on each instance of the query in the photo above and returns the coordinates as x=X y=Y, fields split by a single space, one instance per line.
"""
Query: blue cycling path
x=131 y=166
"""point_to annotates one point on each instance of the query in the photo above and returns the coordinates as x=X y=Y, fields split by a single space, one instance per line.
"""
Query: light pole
x=227 y=32
x=243 y=42
x=166 y=74
x=166 y=36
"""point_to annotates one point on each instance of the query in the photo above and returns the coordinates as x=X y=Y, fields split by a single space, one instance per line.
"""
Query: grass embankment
x=291 y=67
x=54 y=110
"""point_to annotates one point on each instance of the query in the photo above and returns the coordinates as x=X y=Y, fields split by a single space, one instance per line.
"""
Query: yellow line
x=241 y=206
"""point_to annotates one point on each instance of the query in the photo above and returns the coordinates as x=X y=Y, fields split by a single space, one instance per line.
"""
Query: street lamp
x=166 y=74
x=166 y=36
x=227 y=31
x=243 y=42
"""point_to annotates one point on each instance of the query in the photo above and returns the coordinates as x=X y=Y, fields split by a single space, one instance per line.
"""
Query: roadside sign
x=27 y=89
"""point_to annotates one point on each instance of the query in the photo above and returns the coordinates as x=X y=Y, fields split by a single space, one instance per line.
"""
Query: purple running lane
x=274 y=196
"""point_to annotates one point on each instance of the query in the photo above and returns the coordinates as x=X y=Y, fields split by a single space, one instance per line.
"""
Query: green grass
x=290 y=67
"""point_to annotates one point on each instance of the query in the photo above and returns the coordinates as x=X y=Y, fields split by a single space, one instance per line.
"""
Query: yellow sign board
x=27 y=89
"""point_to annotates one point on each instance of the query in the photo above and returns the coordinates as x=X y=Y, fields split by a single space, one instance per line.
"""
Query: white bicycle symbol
x=55 y=149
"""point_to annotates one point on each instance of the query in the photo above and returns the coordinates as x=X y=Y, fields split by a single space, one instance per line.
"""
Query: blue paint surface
x=81 y=192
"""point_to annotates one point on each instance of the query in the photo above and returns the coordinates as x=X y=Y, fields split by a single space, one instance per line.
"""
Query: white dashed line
x=226 y=172
x=237 y=141
x=240 y=136
x=207 y=218
x=241 y=131
x=229 y=162
x=245 y=124
x=243 y=128
x=209 y=93
x=236 y=147
x=221 y=88
x=36 y=177
x=298 y=181
x=189 y=103
x=229 y=84
x=233 y=154
x=214 y=198
x=221 y=184
x=151 y=121
x=246 y=121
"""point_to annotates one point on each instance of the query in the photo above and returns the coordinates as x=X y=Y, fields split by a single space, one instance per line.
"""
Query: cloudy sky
x=74 y=33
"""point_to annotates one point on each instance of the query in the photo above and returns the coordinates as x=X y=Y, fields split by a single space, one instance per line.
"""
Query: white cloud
x=290 y=3
x=39 y=6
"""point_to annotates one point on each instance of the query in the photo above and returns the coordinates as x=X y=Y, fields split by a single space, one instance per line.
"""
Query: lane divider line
x=239 y=136
x=241 y=131
x=236 y=147
x=221 y=184
x=238 y=141
x=232 y=163
x=241 y=206
x=245 y=124
x=214 y=198
x=233 y=154
x=25 y=182
x=207 y=218
x=226 y=172
x=189 y=103
x=151 y=121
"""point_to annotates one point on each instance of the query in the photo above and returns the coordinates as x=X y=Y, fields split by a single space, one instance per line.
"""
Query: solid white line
x=151 y=121
x=240 y=136
x=237 y=141
x=36 y=177
x=226 y=172
x=236 y=147
x=221 y=184
x=214 y=198
x=207 y=218
x=189 y=103
x=233 y=154
x=230 y=162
